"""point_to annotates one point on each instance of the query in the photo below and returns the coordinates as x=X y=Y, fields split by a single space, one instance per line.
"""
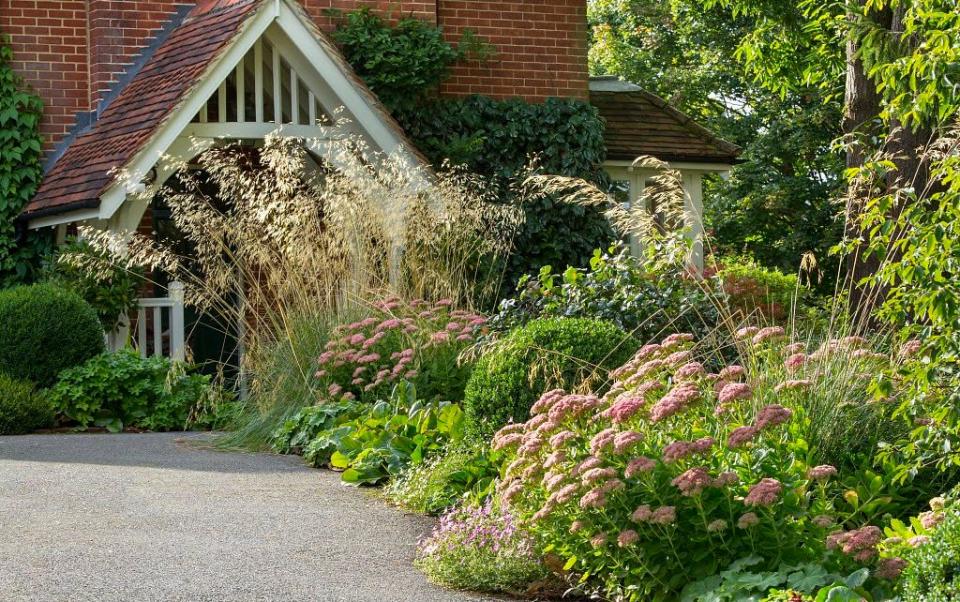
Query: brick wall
x=119 y=30
x=72 y=51
x=49 y=40
x=541 y=47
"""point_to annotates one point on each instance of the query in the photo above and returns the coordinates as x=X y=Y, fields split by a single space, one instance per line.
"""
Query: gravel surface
x=154 y=517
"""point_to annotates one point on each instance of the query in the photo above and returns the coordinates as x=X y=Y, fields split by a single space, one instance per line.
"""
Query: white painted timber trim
x=250 y=130
x=681 y=165
x=64 y=218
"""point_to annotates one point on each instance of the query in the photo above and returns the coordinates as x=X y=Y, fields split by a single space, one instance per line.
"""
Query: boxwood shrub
x=933 y=569
x=22 y=408
x=546 y=353
x=45 y=329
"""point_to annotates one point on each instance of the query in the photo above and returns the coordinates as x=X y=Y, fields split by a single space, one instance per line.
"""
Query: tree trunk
x=861 y=130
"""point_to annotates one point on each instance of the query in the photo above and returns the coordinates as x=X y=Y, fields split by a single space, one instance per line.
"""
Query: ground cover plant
x=22 y=407
x=676 y=472
x=121 y=389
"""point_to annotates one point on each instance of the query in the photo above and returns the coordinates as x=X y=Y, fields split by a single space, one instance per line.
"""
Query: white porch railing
x=153 y=309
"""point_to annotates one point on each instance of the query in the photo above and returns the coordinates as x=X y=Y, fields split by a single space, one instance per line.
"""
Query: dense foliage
x=22 y=408
x=109 y=288
x=930 y=571
x=121 y=389
x=545 y=354
x=676 y=473
x=777 y=203
x=21 y=153
x=45 y=329
x=405 y=61
x=620 y=288
x=369 y=443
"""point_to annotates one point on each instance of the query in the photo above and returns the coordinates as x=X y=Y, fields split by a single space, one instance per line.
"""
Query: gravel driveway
x=152 y=517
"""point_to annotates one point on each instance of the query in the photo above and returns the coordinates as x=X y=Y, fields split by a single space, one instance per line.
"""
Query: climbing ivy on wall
x=20 y=166
x=406 y=62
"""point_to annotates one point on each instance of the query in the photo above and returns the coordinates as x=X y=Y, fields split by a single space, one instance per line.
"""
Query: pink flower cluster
x=679 y=450
x=678 y=399
x=765 y=493
x=664 y=515
x=860 y=543
x=356 y=360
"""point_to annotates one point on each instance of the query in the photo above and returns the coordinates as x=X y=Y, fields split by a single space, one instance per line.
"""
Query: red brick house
x=126 y=81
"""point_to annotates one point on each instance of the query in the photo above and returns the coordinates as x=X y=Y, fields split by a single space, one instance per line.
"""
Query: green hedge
x=22 y=408
x=45 y=329
x=545 y=354
x=933 y=569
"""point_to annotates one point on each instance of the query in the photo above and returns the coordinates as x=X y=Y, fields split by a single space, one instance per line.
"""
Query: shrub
x=22 y=408
x=931 y=558
x=433 y=487
x=480 y=549
x=544 y=354
x=418 y=342
x=646 y=301
x=675 y=473
x=120 y=389
x=755 y=291
x=45 y=329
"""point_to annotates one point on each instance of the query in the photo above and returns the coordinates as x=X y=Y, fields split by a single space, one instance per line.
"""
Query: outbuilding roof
x=641 y=123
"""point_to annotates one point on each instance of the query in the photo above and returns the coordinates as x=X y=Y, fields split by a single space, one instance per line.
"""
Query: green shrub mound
x=545 y=354
x=114 y=390
x=22 y=408
x=45 y=329
x=933 y=569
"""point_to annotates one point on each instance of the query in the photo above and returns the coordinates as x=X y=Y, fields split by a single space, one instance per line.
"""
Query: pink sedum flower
x=889 y=568
x=747 y=520
x=664 y=515
x=627 y=538
x=623 y=442
x=638 y=466
x=734 y=391
x=741 y=436
x=765 y=493
x=822 y=472
x=773 y=415
x=692 y=482
x=795 y=362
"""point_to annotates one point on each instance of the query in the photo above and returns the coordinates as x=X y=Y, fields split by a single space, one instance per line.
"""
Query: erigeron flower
x=693 y=481
x=747 y=520
x=717 y=526
x=773 y=415
x=733 y=391
x=626 y=440
x=626 y=538
x=768 y=333
x=764 y=493
x=822 y=472
x=664 y=515
x=638 y=465
x=889 y=568
x=741 y=435
x=642 y=514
